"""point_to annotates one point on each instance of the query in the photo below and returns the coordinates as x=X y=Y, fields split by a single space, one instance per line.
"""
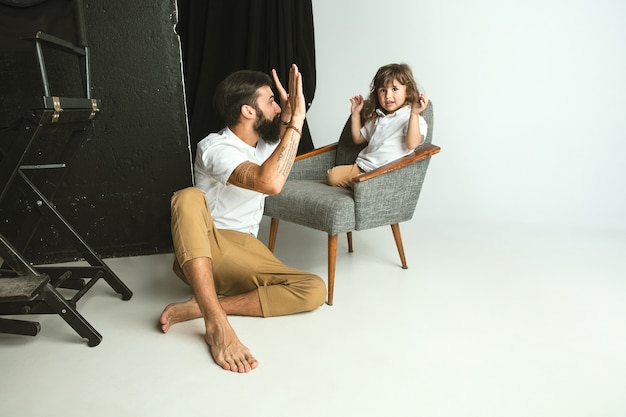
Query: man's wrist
x=297 y=130
x=297 y=120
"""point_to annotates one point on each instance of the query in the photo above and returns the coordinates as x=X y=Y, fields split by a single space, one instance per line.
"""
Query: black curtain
x=219 y=37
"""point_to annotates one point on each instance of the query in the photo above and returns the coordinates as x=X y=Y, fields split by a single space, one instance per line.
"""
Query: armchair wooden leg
x=273 y=232
x=350 y=242
x=332 y=258
x=395 y=228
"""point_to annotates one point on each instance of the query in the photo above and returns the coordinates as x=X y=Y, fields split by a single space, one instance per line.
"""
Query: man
x=215 y=223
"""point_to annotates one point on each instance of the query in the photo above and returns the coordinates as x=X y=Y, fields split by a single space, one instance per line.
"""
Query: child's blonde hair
x=385 y=75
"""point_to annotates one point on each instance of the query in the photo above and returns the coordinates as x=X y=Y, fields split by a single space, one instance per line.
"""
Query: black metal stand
x=29 y=289
x=32 y=292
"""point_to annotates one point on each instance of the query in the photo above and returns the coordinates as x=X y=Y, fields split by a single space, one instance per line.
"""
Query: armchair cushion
x=329 y=209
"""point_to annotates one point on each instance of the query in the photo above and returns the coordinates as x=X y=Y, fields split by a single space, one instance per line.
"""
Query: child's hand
x=356 y=104
x=420 y=105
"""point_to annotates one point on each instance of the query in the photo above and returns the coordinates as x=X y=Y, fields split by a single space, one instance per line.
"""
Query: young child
x=389 y=121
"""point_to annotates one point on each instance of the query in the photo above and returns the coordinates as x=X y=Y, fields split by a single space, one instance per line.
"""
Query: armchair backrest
x=347 y=150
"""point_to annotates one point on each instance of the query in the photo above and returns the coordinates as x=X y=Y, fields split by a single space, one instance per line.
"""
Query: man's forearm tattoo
x=287 y=156
x=245 y=175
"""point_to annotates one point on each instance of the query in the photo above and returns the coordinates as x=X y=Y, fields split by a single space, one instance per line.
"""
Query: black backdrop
x=115 y=192
x=219 y=37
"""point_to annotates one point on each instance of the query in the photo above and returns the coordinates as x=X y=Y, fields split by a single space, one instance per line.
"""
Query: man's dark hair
x=237 y=89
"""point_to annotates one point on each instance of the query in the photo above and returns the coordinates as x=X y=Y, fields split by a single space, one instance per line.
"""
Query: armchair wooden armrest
x=318 y=151
x=422 y=152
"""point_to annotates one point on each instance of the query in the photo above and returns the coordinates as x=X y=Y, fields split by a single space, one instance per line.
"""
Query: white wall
x=529 y=100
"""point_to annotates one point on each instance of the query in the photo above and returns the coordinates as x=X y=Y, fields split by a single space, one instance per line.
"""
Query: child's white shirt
x=386 y=135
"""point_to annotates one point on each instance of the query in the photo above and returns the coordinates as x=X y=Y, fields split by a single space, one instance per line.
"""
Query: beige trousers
x=341 y=175
x=241 y=263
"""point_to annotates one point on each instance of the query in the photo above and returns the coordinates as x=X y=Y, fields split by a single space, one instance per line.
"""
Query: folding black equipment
x=38 y=289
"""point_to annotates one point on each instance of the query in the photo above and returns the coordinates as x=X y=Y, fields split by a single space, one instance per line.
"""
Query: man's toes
x=244 y=366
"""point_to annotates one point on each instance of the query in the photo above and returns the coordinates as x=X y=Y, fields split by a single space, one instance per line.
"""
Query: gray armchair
x=385 y=196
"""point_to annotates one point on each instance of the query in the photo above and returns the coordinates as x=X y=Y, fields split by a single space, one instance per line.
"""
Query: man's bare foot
x=177 y=312
x=228 y=352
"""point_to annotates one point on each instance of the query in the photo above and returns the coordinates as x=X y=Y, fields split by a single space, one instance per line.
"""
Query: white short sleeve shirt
x=385 y=135
x=232 y=207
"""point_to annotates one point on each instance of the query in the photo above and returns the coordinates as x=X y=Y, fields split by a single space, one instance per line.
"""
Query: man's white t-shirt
x=385 y=135
x=232 y=207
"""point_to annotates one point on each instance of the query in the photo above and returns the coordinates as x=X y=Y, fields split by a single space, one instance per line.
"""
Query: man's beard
x=269 y=130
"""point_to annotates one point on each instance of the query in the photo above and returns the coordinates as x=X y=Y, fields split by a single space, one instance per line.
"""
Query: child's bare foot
x=177 y=312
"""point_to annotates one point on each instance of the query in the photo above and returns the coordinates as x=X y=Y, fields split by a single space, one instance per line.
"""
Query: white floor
x=487 y=321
